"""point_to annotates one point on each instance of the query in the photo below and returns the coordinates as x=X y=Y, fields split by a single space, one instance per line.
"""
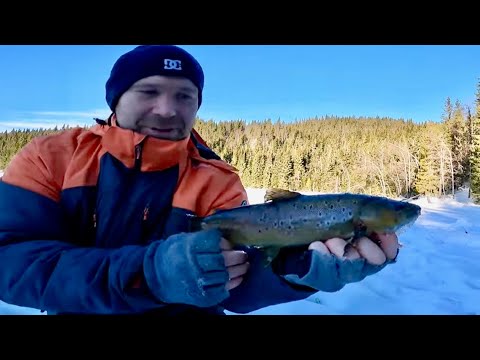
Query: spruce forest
x=381 y=156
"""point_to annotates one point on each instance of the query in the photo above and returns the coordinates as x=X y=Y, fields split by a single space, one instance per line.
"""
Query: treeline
x=392 y=157
x=384 y=156
x=12 y=141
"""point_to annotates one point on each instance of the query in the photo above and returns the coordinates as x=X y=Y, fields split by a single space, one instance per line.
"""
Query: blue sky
x=56 y=84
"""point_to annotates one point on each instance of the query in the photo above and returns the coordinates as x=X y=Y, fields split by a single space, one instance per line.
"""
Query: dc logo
x=172 y=64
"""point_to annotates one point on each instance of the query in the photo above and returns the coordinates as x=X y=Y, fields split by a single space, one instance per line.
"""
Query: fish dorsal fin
x=279 y=194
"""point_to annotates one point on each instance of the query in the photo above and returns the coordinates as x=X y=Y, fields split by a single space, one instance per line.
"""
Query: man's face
x=159 y=106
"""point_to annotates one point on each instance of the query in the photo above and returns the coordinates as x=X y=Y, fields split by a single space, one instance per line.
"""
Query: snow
x=436 y=273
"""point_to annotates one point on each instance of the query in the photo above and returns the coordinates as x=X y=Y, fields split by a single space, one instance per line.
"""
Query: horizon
x=54 y=85
x=58 y=126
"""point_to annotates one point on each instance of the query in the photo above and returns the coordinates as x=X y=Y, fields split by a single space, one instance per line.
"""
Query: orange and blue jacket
x=79 y=208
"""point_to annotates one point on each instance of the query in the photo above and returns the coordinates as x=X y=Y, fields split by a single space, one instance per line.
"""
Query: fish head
x=387 y=215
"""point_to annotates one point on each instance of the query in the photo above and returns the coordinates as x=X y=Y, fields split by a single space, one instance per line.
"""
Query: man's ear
x=104 y=122
x=109 y=120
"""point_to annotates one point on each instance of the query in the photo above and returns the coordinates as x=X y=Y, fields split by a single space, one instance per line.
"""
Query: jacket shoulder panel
x=209 y=185
x=25 y=215
x=40 y=166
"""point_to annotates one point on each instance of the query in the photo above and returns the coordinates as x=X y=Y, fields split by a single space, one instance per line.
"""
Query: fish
x=289 y=219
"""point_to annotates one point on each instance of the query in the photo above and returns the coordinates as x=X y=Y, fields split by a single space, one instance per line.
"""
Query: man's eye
x=148 y=92
x=184 y=96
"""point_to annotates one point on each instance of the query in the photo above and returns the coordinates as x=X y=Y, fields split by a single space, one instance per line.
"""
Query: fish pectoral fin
x=348 y=247
x=360 y=230
x=350 y=240
x=269 y=254
x=279 y=194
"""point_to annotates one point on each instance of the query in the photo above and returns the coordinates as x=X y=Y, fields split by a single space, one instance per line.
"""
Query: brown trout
x=288 y=218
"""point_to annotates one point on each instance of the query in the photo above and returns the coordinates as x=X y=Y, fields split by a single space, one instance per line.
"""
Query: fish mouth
x=389 y=217
x=407 y=215
x=409 y=211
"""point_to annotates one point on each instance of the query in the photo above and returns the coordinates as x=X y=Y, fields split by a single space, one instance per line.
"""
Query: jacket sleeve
x=41 y=268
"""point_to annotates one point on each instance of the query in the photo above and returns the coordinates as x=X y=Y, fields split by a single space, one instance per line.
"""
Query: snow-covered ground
x=437 y=271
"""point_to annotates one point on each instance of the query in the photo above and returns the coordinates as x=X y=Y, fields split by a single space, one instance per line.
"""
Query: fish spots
x=301 y=221
x=321 y=224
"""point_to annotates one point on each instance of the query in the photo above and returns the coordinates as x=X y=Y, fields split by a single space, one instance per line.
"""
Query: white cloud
x=101 y=113
x=51 y=119
x=38 y=125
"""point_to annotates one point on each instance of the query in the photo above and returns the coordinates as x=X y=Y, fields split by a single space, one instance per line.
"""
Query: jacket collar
x=155 y=154
x=132 y=148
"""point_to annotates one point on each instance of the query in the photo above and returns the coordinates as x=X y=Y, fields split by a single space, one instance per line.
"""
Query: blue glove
x=327 y=272
x=187 y=268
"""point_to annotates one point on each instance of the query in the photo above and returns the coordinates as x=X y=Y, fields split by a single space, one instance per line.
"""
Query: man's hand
x=364 y=247
x=327 y=273
x=334 y=264
x=236 y=263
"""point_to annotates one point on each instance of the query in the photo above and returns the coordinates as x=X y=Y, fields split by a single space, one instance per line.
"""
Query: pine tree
x=458 y=143
x=475 y=153
x=427 y=179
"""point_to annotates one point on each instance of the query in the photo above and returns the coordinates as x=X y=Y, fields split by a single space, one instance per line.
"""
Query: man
x=97 y=220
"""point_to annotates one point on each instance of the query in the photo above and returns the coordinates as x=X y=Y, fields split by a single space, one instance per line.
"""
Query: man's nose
x=165 y=107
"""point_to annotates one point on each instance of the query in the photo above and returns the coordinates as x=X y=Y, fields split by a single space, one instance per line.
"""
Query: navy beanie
x=150 y=60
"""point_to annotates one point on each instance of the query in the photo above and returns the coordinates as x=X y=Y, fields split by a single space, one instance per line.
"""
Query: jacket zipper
x=138 y=156
x=144 y=227
x=145 y=212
